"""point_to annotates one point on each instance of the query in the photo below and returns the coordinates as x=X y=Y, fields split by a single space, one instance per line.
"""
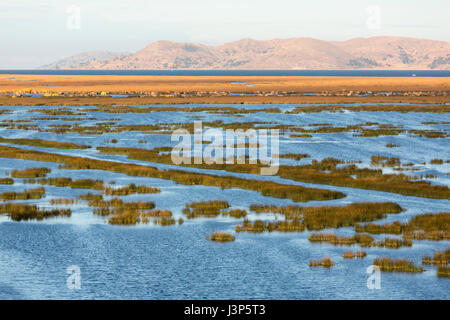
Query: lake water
x=177 y=262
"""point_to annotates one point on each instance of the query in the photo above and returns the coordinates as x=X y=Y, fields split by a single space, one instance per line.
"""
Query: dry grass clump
x=205 y=209
x=20 y=212
x=325 y=262
x=30 y=173
x=350 y=254
x=221 y=237
x=43 y=143
x=398 y=265
x=439 y=258
x=30 y=194
x=6 y=181
x=131 y=189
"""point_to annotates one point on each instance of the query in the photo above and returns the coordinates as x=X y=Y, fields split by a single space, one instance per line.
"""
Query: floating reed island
x=220 y=237
x=397 y=265
x=325 y=262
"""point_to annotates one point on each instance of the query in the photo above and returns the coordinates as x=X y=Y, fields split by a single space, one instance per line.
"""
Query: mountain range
x=387 y=53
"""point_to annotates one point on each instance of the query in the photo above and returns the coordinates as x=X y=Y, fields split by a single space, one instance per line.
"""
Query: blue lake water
x=177 y=262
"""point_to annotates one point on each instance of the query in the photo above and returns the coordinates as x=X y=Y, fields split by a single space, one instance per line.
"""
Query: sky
x=37 y=32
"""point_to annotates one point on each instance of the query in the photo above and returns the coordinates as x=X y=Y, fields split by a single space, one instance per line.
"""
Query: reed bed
x=325 y=262
x=441 y=258
x=259 y=226
x=266 y=188
x=164 y=221
x=205 y=209
x=6 y=181
x=30 y=194
x=235 y=213
x=319 y=172
x=23 y=212
x=131 y=189
x=43 y=143
x=443 y=272
x=30 y=173
x=398 y=265
x=429 y=226
x=68 y=182
x=361 y=239
x=221 y=237
x=90 y=196
x=62 y=201
x=388 y=228
x=323 y=217
x=351 y=255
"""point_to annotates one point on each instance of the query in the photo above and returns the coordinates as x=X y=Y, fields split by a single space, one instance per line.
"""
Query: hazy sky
x=36 y=32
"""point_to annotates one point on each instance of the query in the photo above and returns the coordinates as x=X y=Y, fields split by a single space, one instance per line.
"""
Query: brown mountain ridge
x=388 y=53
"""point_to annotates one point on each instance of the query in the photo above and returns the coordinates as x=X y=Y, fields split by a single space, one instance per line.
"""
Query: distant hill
x=81 y=59
x=394 y=53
